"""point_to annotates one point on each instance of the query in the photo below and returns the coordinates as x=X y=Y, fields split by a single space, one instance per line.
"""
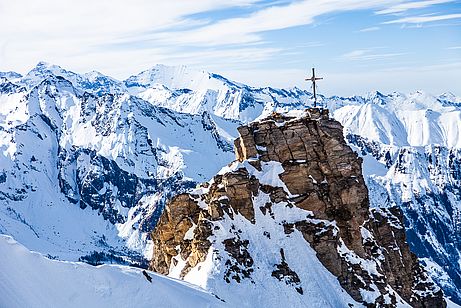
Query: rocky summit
x=289 y=223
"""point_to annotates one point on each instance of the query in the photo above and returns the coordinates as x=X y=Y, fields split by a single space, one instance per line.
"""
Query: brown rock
x=313 y=203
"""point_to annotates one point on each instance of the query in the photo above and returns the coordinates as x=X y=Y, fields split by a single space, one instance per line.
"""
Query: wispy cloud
x=403 y=7
x=423 y=19
x=454 y=47
x=368 y=54
x=64 y=30
x=369 y=29
x=249 y=28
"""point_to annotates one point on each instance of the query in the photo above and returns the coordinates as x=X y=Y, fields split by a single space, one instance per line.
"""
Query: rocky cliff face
x=290 y=219
x=426 y=183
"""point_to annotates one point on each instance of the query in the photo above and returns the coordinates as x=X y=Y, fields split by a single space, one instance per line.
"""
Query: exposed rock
x=299 y=173
x=240 y=265
x=285 y=273
x=425 y=182
x=177 y=219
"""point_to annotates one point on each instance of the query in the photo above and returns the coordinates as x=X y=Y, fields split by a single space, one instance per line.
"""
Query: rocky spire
x=290 y=218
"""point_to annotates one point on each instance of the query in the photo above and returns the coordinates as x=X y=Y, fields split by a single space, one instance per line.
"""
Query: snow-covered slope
x=28 y=279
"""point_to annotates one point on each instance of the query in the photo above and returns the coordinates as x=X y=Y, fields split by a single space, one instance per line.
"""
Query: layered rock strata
x=294 y=196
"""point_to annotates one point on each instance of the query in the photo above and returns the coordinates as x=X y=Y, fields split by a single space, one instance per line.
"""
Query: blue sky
x=358 y=46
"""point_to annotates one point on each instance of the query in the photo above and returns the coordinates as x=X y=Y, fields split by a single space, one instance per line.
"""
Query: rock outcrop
x=295 y=186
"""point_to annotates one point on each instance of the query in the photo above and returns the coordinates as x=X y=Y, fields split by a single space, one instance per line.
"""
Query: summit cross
x=313 y=79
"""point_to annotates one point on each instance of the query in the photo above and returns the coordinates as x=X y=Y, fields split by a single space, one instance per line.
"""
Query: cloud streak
x=368 y=55
x=369 y=29
x=248 y=29
x=62 y=29
x=403 y=7
x=423 y=19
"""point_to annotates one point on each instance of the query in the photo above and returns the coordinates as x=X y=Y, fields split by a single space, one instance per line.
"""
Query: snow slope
x=320 y=287
x=28 y=279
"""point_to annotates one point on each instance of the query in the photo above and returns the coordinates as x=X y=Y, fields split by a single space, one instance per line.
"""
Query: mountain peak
x=43 y=66
x=291 y=216
x=10 y=75
x=43 y=70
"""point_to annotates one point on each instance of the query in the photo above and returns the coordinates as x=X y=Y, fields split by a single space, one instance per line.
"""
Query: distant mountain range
x=87 y=162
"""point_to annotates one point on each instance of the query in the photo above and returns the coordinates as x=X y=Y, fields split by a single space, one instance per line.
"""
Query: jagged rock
x=297 y=175
x=285 y=273
x=430 y=208
x=178 y=218
x=240 y=265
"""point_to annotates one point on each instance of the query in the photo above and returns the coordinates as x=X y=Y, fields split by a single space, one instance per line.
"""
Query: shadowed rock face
x=426 y=184
x=312 y=184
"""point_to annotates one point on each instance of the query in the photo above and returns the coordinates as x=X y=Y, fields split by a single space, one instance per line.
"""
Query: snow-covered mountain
x=92 y=82
x=186 y=90
x=416 y=119
x=87 y=161
x=85 y=173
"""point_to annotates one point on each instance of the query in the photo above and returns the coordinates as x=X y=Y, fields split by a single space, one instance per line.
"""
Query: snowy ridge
x=28 y=279
x=417 y=119
x=187 y=90
x=93 y=82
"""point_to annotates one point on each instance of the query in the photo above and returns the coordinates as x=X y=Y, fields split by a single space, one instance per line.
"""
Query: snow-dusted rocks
x=289 y=223
x=411 y=150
